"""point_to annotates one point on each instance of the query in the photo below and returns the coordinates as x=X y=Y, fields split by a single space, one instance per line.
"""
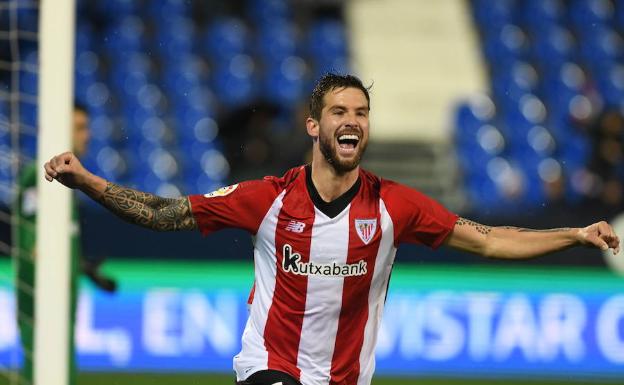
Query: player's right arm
x=137 y=207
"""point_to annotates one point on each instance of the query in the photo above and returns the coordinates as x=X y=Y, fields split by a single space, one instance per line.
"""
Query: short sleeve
x=241 y=206
x=416 y=217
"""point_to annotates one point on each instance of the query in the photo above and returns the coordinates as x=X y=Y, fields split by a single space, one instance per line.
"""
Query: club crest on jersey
x=365 y=229
x=223 y=191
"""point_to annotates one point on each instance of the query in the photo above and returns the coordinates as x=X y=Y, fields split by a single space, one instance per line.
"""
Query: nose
x=351 y=121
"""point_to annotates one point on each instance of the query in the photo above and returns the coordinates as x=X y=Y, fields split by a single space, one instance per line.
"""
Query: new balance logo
x=291 y=263
x=295 y=227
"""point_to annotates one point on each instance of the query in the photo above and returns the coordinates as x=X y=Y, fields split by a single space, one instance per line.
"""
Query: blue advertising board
x=439 y=320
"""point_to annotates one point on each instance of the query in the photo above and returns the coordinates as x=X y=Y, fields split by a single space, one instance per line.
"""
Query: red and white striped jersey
x=320 y=281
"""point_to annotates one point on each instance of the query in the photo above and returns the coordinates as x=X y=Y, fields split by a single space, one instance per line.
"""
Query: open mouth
x=348 y=142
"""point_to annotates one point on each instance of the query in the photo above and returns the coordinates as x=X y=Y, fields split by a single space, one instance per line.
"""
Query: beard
x=327 y=145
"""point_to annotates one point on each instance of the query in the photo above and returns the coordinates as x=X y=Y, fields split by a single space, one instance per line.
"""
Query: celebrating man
x=325 y=239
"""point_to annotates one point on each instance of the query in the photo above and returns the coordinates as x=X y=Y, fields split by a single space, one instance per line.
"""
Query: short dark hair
x=80 y=107
x=329 y=82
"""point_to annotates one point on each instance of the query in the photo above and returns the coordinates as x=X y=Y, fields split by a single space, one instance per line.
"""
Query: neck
x=330 y=184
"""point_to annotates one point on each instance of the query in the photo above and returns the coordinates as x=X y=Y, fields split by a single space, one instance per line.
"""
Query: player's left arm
x=516 y=243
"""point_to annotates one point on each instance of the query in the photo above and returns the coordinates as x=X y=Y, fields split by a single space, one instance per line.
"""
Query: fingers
x=59 y=161
x=49 y=172
x=57 y=165
x=608 y=236
x=598 y=242
x=614 y=243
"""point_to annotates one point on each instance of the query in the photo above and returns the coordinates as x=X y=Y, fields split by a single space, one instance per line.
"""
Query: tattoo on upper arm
x=483 y=229
x=148 y=210
x=174 y=217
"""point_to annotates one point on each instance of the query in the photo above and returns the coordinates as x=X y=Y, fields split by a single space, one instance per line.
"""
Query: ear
x=312 y=127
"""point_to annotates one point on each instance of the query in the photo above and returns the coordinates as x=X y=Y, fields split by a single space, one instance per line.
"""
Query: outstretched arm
x=140 y=208
x=147 y=210
x=517 y=243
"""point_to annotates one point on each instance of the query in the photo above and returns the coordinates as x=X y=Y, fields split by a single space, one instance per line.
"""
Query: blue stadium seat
x=325 y=64
x=203 y=184
x=576 y=49
x=541 y=14
x=87 y=64
x=102 y=125
x=84 y=36
x=225 y=39
x=493 y=15
x=134 y=62
x=523 y=114
x=601 y=44
x=576 y=151
x=175 y=37
x=165 y=10
x=268 y=12
x=214 y=164
x=128 y=91
x=473 y=114
x=327 y=39
x=506 y=45
x=199 y=102
x=154 y=129
x=514 y=81
x=276 y=42
x=203 y=132
x=125 y=36
x=135 y=116
x=556 y=46
x=611 y=84
x=483 y=194
x=113 y=8
x=285 y=82
x=234 y=83
x=568 y=77
x=585 y=13
x=183 y=76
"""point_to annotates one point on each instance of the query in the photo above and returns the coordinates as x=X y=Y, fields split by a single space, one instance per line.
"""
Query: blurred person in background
x=251 y=134
x=25 y=262
x=607 y=162
x=326 y=234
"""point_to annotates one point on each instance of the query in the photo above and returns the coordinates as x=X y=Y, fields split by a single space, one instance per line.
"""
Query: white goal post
x=52 y=298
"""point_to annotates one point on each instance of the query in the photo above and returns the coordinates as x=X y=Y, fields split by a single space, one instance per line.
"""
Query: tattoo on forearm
x=151 y=200
x=148 y=210
x=483 y=229
x=523 y=230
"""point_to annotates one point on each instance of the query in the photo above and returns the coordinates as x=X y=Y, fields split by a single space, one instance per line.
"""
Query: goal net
x=18 y=103
x=35 y=105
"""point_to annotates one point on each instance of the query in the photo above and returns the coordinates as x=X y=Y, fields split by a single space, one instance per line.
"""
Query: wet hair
x=329 y=82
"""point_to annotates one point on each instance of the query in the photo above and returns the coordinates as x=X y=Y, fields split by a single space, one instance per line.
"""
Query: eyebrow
x=341 y=107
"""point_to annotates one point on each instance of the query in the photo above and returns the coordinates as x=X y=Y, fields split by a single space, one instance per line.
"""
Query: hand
x=66 y=169
x=600 y=235
x=92 y=270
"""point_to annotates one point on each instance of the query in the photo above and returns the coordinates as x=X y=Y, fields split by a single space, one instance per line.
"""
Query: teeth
x=348 y=137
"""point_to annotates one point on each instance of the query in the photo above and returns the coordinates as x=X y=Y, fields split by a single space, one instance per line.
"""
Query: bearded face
x=344 y=149
x=343 y=128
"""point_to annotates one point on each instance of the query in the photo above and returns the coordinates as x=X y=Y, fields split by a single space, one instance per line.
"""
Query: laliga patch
x=223 y=191
x=365 y=228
